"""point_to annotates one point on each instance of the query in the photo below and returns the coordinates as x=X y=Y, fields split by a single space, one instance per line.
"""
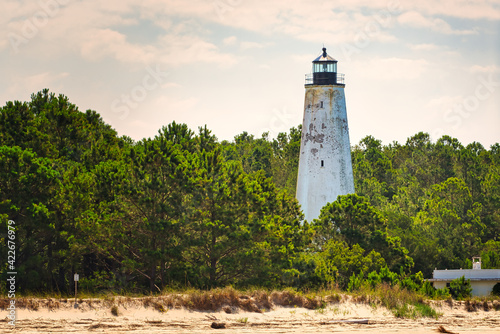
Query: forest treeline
x=185 y=209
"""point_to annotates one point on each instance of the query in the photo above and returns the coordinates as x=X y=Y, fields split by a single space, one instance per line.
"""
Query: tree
x=353 y=220
x=350 y=218
x=460 y=288
x=136 y=224
x=54 y=128
x=451 y=219
x=155 y=198
x=338 y=262
x=235 y=220
x=30 y=190
x=490 y=188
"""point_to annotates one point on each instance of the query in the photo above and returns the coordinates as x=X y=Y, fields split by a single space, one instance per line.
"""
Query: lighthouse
x=325 y=168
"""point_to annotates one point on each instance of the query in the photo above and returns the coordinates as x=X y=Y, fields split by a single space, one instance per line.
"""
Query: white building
x=482 y=280
x=325 y=168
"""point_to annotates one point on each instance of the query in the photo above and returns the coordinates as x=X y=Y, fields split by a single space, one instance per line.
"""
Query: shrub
x=404 y=303
x=428 y=289
x=471 y=305
x=496 y=290
x=388 y=276
x=373 y=279
x=355 y=282
x=443 y=293
x=417 y=310
x=408 y=284
x=460 y=288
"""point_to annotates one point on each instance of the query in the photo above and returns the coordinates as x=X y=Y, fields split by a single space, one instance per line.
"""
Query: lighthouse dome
x=324 y=57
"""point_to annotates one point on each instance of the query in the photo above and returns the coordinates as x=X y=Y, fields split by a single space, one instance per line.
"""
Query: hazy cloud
x=417 y=20
x=484 y=69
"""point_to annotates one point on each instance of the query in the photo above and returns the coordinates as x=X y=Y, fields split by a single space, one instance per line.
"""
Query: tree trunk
x=152 y=277
x=213 y=261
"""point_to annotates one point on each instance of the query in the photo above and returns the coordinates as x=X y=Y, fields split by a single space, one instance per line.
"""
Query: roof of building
x=324 y=57
x=494 y=279
x=473 y=274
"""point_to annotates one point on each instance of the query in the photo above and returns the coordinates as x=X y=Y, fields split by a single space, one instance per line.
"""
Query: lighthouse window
x=322 y=163
x=325 y=67
x=321 y=104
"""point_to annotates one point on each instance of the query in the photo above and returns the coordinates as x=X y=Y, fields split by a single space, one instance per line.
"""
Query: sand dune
x=96 y=316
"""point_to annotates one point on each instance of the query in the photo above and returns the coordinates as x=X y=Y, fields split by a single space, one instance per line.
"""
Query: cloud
x=100 y=43
x=259 y=15
x=22 y=85
x=175 y=49
x=251 y=45
x=390 y=69
x=443 y=103
x=466 y=9
x=95 y=30
x=170 y=49
x=171 y=85
x=321 y=21
x=424 y=47
x=417 y=20
x=231 y=40
x=302 y=58
x=478 y=69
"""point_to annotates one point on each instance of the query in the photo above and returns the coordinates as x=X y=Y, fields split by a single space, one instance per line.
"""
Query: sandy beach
x=130 y=315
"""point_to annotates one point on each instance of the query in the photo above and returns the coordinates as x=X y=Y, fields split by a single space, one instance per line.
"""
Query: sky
x=239 y=65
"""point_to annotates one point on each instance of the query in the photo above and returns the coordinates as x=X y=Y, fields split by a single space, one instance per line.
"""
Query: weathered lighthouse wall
x=325 y=168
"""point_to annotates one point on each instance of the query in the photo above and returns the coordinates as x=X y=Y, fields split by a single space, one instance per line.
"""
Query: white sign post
x=77 y=278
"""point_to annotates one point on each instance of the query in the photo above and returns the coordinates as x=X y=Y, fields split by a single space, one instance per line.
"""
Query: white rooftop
x=472 y=274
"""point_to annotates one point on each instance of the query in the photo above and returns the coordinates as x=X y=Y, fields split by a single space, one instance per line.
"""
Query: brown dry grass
x=114 y=310
x=4 y=303
x=227 y=299
x=471 y=305
x=231 y=300
x=32 y=304
x=293 y=298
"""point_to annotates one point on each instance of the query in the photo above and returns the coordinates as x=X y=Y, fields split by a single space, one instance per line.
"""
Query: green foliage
x=182 y=209
x=402 y=302
x=428 y=289
x=388 y=277
x=335 y=263
x=278 y=158
x=441 y=200
x=460 y=288
x=30 y=195
x=355 y=282
x=496 y=290
x=355 y=221
x=238 y=223
x=490 y=256
x=418 y=310
x=431 y=292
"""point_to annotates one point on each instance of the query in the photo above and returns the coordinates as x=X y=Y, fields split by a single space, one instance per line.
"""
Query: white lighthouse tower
x=325 y=168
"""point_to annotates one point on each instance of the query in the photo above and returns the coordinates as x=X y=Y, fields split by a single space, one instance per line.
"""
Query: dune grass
x=401 y=302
